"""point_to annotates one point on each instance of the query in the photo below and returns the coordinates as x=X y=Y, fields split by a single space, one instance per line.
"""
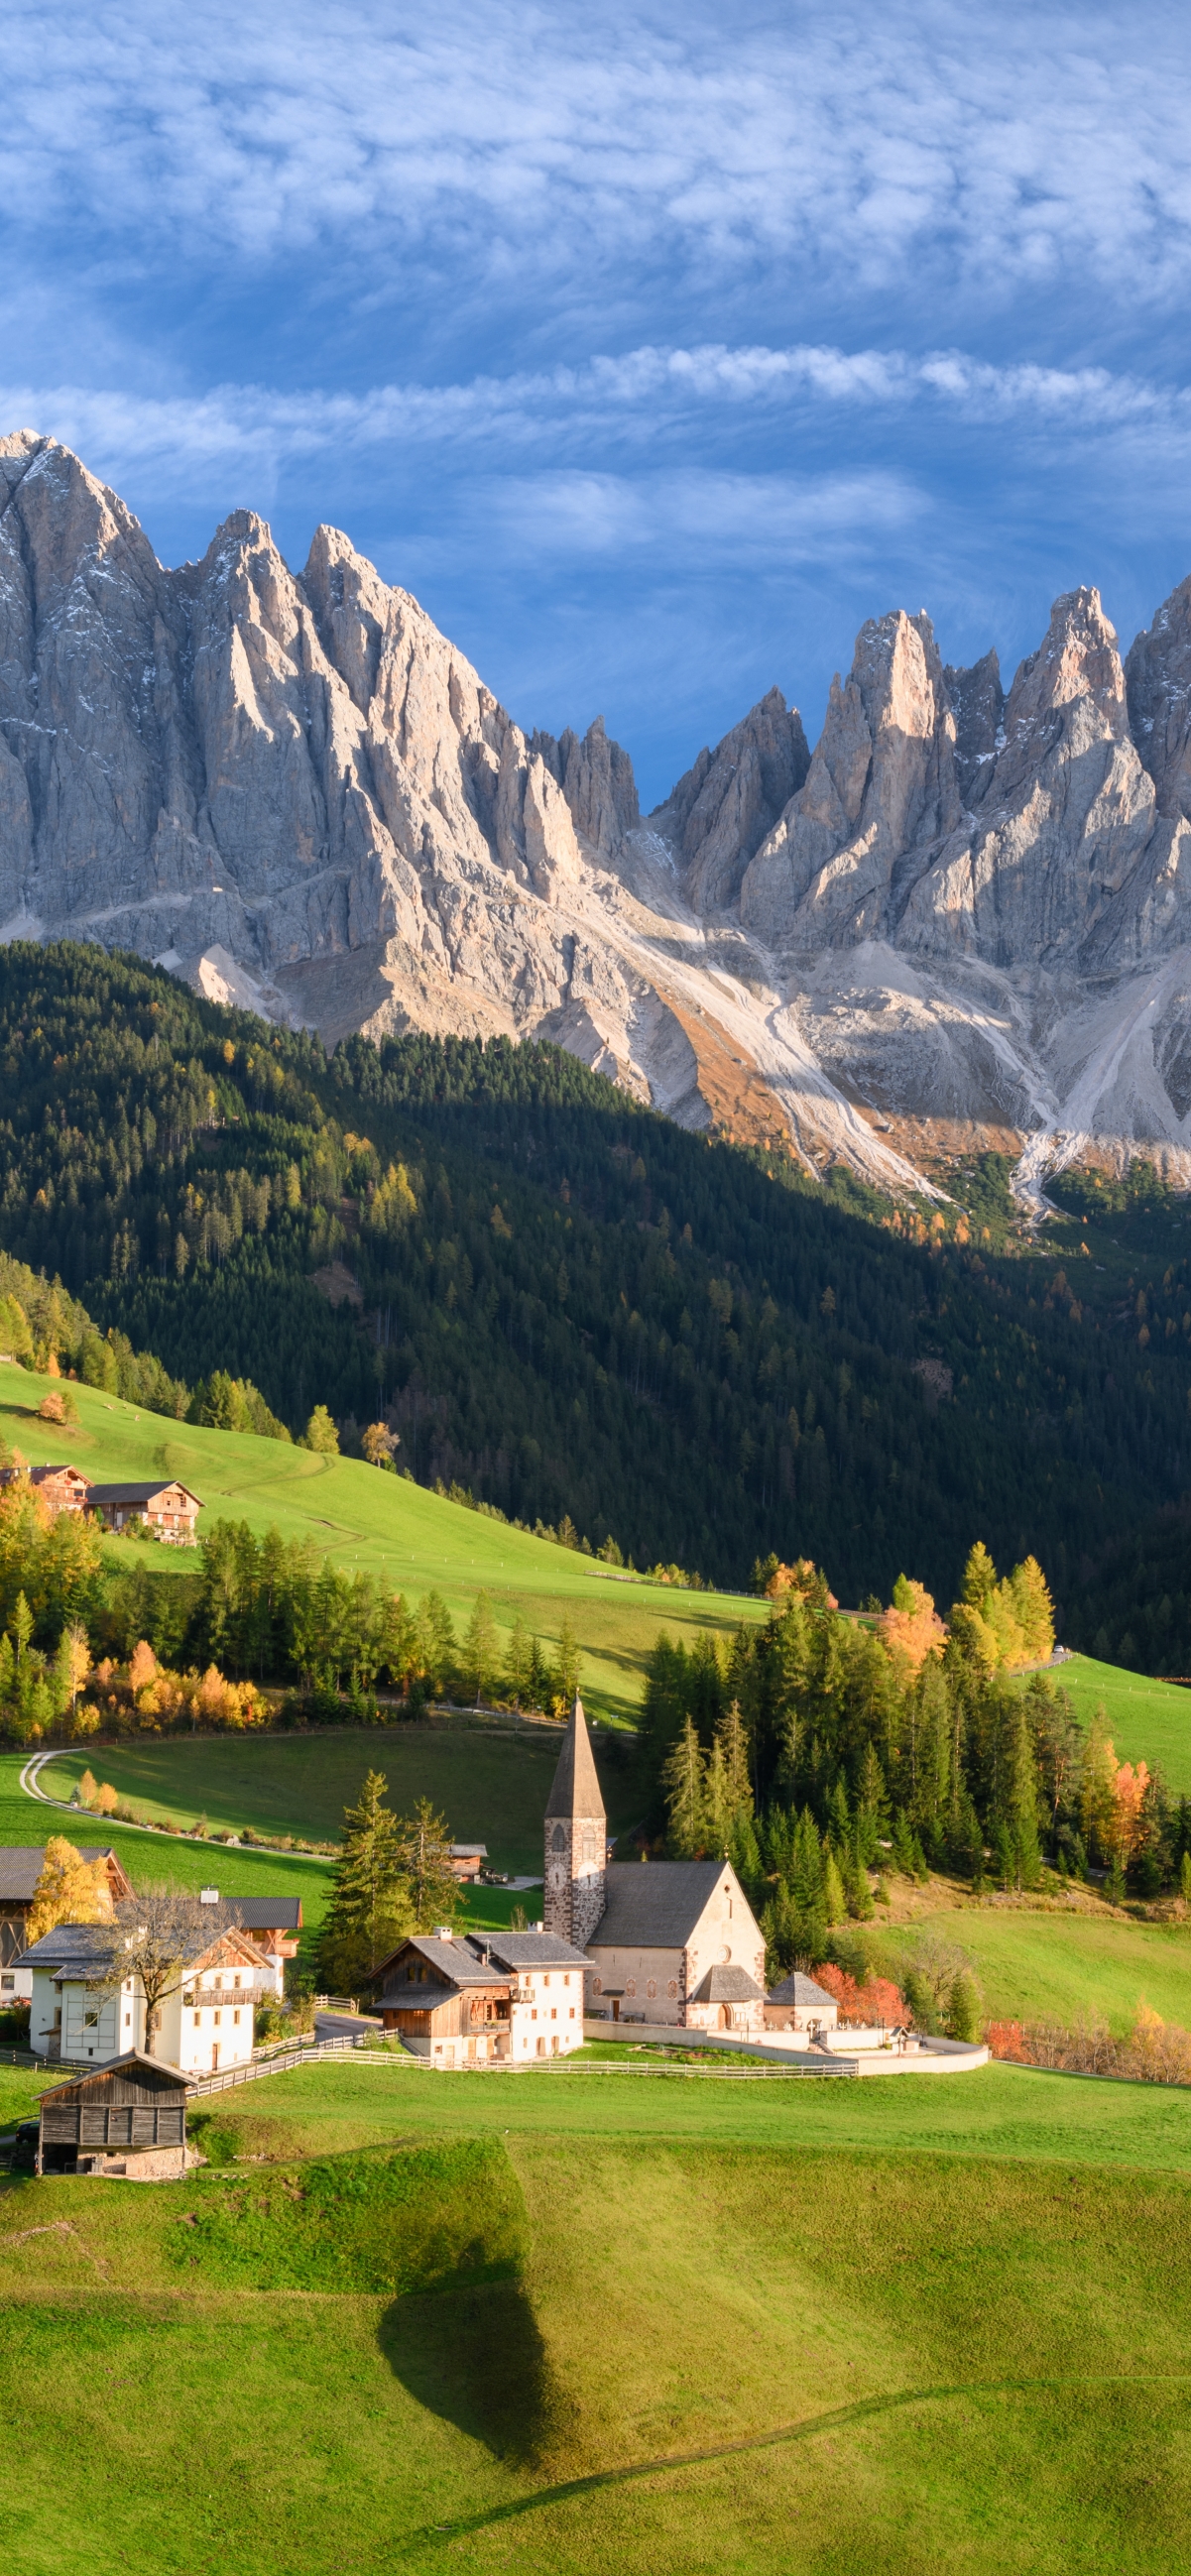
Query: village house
x=484 y=1997
x=83 y=2009
x=666 y=1941
x=21 y=1865
x=272 y=1923
x=62 y=1488
x=170 y=1509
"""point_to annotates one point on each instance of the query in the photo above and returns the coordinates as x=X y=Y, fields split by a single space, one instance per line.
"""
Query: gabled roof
x=159 y=2072
x=141 y=1493
x=468 y=1851
x=727 y=1986
x=21 y=1865
x=76 y=1949
x=655 y=1905
x=576 y=1790
x=454 y=1963
x=265 y=1913
x=797 y=1989
x=527 y=1950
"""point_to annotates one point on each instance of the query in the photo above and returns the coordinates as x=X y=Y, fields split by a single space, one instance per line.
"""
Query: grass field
x=491 y=1786
x=604 y=2322
x=1051 y=1967
x=408 y=1539
x=1145 y=1718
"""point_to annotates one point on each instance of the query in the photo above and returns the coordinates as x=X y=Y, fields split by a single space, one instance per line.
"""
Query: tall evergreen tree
x=371 y=1906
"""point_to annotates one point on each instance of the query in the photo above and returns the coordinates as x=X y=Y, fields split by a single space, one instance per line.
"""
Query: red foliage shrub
x=877 y=2000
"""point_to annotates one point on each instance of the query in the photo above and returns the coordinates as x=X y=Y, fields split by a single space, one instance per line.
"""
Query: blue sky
x=653 y=348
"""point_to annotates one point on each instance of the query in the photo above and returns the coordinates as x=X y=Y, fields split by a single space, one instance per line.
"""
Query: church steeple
x=576 y=1847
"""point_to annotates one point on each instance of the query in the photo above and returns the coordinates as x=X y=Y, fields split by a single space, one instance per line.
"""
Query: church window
x=672 y=1988
x=597 y=1985
x=558 y=1840
x=630 y=1985
x=651 y=1988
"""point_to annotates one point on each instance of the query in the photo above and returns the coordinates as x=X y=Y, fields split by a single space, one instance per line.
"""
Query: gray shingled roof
x=21 y=1865
x=576 y=1790
x=727 y=1986
x=655 y=1905
x=265 y=1913
x=528 y=1950
x=81 y=1949
x=140 y=1493
x=453 y=1962
x=800 y=1990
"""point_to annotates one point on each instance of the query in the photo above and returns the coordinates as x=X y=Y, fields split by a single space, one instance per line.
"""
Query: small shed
x=125 y=2118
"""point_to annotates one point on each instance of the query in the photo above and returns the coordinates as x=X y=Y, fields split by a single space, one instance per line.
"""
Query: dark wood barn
x=133 y=2108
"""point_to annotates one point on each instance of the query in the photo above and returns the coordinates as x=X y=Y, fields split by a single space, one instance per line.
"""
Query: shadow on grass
x=476 y=2357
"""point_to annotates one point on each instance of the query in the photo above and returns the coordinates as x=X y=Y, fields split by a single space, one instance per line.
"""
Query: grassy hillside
x=788 y=2335
x=1052 y=1967
x=565 y=1301
x=383 y=1525
x=1150 y=1720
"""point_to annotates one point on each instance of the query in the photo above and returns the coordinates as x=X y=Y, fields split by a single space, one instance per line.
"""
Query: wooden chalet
x=467 y=1859
x=62 y=1488
x=446 y=2000
x=125 y=2118
x=170 y=1509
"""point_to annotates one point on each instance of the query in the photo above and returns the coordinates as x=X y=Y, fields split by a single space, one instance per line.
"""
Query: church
x=666 y=1941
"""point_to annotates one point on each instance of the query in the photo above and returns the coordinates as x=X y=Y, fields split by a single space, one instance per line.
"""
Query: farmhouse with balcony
x=665 y=1941
x=483 y=1998
x=169 y=1509
x=84 y=2009
x=21 y=1865
x=62 y=1488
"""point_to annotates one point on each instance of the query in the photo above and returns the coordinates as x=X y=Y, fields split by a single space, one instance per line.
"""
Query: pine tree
x=731 y=1736
x=1035 y=1610
x=806 y=1891
x=834 y=1901
x=567 y=1664
x=980 y=1575
x=425 y=1849
x=684 y=1783
x=320 y=1434
x=478 y=1660
x=371 y=1906
x=517 y=1666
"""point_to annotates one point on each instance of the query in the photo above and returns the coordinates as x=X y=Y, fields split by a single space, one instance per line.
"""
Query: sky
x=652 y=348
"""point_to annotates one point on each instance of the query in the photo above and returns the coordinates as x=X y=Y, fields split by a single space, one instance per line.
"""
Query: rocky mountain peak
x=1158 y=685
x=721 y=809
x=977 y=702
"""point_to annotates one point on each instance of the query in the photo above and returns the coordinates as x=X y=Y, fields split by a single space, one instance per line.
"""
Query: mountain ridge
x=961 y=919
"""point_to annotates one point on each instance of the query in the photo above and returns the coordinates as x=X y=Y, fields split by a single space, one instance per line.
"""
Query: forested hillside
x=561 y=1300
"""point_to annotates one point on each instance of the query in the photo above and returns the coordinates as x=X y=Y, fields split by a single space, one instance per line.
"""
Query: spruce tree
x=371 y=1907
x=434 y=1892
x=684 y=1783
x=478 y=1659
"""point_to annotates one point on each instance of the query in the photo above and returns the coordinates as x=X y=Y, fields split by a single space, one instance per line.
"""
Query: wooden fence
x=279 y=2064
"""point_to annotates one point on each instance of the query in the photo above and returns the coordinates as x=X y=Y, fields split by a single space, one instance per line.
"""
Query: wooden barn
x=125 y=2118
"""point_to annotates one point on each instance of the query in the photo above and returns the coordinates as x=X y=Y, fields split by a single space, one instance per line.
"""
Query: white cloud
x=634 y=401
x=1002 y=143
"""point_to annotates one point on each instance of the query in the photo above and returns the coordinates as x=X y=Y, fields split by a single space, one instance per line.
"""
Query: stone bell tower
x=576 y=1847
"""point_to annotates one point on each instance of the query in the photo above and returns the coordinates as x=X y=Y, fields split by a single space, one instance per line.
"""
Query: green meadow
x=1147 y=1720
x=406 y=1538
x=598 y=2320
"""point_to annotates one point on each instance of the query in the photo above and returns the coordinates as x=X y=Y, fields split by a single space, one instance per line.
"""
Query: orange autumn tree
x=912 y=1628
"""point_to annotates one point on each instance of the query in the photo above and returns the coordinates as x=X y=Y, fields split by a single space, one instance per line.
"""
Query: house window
x=236 y=1981
x=218 y=2018
x=534 y=2014
x=198 y=2021
x=553 y=2013
x=128 y=2021
x=236 y=2018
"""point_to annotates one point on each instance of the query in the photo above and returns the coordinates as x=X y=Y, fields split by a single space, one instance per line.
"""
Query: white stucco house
x=84 y=2011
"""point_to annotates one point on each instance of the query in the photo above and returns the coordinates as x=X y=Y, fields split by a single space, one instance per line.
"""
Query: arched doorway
x=725 y=2017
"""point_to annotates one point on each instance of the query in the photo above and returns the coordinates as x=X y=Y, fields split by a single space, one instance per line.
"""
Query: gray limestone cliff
x=961 y=907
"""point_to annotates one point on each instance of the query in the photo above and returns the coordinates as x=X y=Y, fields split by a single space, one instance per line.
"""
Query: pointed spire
x=576 y=1789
